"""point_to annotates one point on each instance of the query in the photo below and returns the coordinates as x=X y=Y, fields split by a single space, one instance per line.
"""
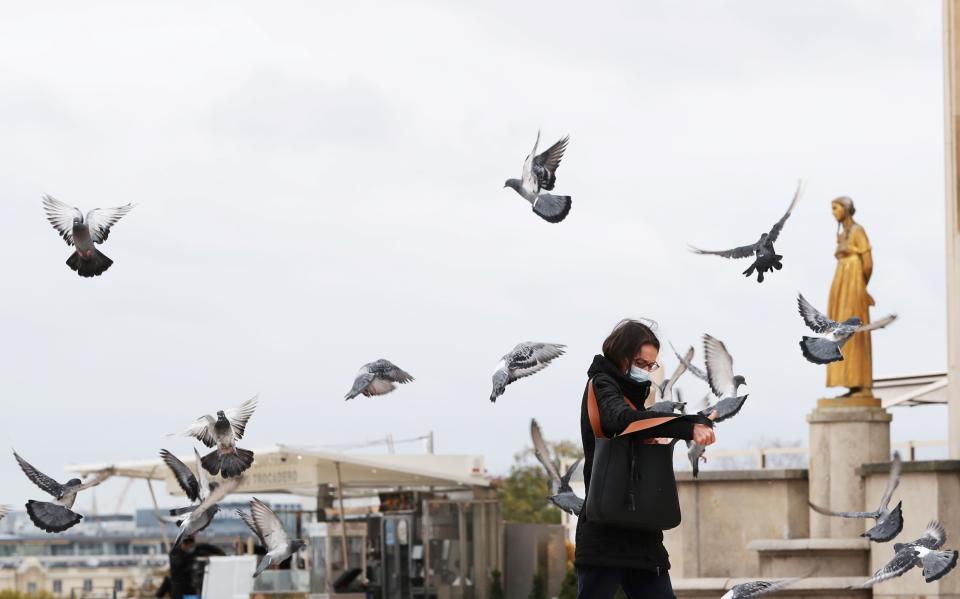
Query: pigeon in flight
x=824 y=350
x=268 y=528
x=889 y=522
x=720 y=368
x=222 y=433
x=561 y=495
x=523 y=360
x=540 y=174
x=199 y=489
x=765 y=257
x=4 y=510
x=82 y=232
x=666 y=387
x=718 y=411
x=378 y=378
x=757 y=588
x=688 y=362
x=923 y=552
x=58 y=515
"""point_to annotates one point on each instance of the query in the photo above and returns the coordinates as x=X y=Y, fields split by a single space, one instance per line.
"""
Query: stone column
x=951 y=62
x=845 y=433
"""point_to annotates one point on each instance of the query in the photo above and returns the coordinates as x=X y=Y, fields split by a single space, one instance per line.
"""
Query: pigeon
x=561 y=494
x=523 y=360
x=757 y=588
x=720 y=368
x=923 y=552
x=694 y=370
x=719 y=411
x=4 y=510
x=765 y=257
x=199 y=489
x=56 y=516
x=268 y=528
x=889 y=522
x=377 y=378
x=222 y=433
x=824 y=350
x=666 y=387
x=82 y=232
x=540 y=173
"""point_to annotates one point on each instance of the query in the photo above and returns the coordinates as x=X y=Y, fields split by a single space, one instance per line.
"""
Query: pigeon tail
x=90 y=266
x=820 y=351
x=234 y=464
x=551 y=208
x=937 y=564
x=211 y=462
x=51 y=517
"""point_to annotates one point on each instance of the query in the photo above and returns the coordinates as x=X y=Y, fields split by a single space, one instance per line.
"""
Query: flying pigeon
x=766 y=258
x=223 y=432
x=923 y=552
x=718 y=411
x=720 y=368
x=56 y=516
x=199 y=489
x=540 y=173
x=378 y=378
x=889 y=522
x=757 y=588
x=666 y=387
x=824 y=350
x=523 y=360
x=83 y=232
x=694 y=370
x=268 y=528
x=4 y=510
x=561 y=495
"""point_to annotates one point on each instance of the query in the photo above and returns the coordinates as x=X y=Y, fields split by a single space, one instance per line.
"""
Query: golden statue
x=848 y=298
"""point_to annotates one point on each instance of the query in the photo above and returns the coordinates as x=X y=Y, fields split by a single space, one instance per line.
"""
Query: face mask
x=639 y=374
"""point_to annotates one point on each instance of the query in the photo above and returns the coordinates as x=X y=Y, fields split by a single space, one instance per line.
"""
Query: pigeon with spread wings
x=83 y=232
x=758 y=588
x=58 y=515
x=765 y=256
x=924 y=552
x=889 y=521
x=205 y=493
x=827 y=349
x=561 y=494
x=720 y=376
x=539 y=175
x=523 y=360
x=378 y=378
x=273 y=537
x=222 y=433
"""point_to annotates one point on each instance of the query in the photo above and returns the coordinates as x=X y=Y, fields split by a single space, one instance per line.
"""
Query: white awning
x=911 y=390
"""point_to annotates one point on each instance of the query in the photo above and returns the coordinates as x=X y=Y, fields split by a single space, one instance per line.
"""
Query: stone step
x=820 y=587
x=799 y=557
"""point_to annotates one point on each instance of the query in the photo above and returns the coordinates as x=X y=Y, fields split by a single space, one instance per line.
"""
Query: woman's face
x=646 y=358
x=839 y=212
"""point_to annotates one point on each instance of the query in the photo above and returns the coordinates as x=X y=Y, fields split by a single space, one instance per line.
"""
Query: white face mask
x=639 y=374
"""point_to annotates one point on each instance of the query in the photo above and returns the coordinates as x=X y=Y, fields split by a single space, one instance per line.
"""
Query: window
x=121 y=548
x=31 y=588
x=87 y=585
x=90 y=548
x=118 y=584
x=65 y=549
x=57 y=587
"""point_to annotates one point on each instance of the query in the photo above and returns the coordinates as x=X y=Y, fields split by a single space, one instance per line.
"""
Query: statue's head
x=842 y=208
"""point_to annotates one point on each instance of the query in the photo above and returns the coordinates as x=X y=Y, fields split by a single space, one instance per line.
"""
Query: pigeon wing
x=904 y=559
x=271 y=528
x=229 y=485
x=719 y=365
x=390 y=371
x=61 y=216
x=744 y=251
x=933 y=537
x=542 y=452
x=694 y=370
x=99 y=220
x=200 y=430
x=877 y=324
x=892 y=481
x=545 y=164
x=545 y=352
x=524 y=372
x=248 y=520
x=240 y=415
x=96 y=480
x=39 y=478
x=528 y=179
x=826 y=512
x=775 y=230
x=185 y=478
x=203 y=481
x=816 y=320
x=726 y=408
x=667 y=391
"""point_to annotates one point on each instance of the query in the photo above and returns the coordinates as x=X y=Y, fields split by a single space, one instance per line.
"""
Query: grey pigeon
x=378 y=378
x=824 y=350
x=694 y=370
x=222 y=433
x=666 y=387
x=766 y=257
x=82 y=232
x=561 y=494
x=720 y=376
x=273 y=537
x=923 y=552
x=757 y=588
x=58 y=515
x=695 y=451
x=539 y=174
x=523 y=360
x=889 y=522
x=199 y=489
x=724 y=409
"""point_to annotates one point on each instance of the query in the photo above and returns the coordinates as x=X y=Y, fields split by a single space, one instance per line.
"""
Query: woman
x=609 y=558
x=849 y=297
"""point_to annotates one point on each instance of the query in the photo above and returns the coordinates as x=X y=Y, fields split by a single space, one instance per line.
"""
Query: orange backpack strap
x=593 y=413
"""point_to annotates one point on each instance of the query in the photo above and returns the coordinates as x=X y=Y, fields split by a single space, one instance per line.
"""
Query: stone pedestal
x=845 y=433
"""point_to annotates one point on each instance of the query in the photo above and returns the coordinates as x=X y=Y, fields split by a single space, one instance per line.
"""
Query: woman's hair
x=626 y=339
x=847 y=204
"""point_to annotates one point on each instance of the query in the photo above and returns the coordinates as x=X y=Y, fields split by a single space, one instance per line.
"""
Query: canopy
x=911 y=390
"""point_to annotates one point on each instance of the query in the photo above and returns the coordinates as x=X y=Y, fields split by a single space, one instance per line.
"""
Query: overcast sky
x=319 y=184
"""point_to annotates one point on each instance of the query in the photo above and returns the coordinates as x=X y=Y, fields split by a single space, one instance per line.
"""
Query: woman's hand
x=703 y=434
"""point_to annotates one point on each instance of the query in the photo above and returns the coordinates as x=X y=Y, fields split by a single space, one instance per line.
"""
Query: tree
x=539 y=590
x=524 y=492
x=496 y=585
x=568 y=588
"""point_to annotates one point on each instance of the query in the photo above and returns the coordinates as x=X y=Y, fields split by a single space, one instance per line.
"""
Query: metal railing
x=761 y=455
